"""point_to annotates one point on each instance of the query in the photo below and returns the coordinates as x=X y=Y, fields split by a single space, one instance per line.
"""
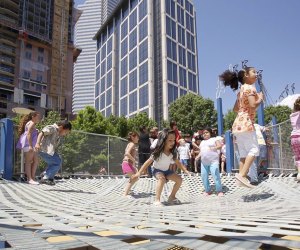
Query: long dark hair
x=162 y=138
x=297 y=105
x=24 y=120
x=232 y=78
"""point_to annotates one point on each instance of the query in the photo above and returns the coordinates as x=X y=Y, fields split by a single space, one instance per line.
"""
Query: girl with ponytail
x=243 y=127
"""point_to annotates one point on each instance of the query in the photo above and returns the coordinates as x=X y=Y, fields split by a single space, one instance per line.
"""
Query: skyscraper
x=146 y=57
x=94 y=14
x=36 y=55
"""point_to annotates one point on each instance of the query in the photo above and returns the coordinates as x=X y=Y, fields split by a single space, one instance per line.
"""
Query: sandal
x=174 y=201
x=244 y=181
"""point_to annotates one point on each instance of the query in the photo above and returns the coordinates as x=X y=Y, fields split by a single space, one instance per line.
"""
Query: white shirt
x=163 y=162
x=258 y=130
x=208 y=155
x=184 y=151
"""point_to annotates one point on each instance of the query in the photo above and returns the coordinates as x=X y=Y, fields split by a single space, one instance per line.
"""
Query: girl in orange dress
x=243 y=127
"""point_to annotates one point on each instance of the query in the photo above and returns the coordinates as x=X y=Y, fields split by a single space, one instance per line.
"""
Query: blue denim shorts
x=165 y=173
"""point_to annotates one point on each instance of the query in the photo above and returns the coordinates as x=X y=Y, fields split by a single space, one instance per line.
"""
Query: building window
x=181 y=2
x=183 y=92
x=143 y=73
x=170 y=8
x=109 y=62
x=102 y=85
x=133 y=59
x=189 y=7
x=182 y=77
x=108 y=97
x=181 y=56
x=180 y=15
x=108 y=112
x=181 y=35
x=132 y=80
x=142 y=9
x=109 y=45
x=102 y=101
x=125 y=11
x=124 y=86
x=28 y=55
x=97 y=73
x=26 y=74
x=171 y=28
x=124 y=66
x=124 y=29
x=133 y=102
x=98 y=58
x=124 y=47
x=172 y=93
x=103 y=52
x=191 y=62
x=25 y=84
x=172 y=71
x=190 y=42
x=97 y=101
x=97 y=89
x=103 y=68
x=143 y=29
x=132 y=19
x=171 y=49
x=132 y=39
x=192 y=82
x=39 y=76
x=189 y=23
x=108 y=79
x=123 y=108
x=28 y=46
x=41 y=50
x=143 y=51
x=143 y=97
x=40 y=59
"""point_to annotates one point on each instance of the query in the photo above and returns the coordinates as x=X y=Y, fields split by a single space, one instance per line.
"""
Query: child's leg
x=161 y=180
x=214 y=169
x=295 y=142
x=129 y=184
x=28 y=162
x=178 y=180
x=204 y=177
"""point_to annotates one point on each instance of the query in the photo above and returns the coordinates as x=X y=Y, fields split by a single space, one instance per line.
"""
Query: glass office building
x=146 y=58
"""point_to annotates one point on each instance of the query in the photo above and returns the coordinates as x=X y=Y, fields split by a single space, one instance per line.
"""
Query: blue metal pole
x=260 y=110
x=229 y=152
x=220 y=116
x=6 y=148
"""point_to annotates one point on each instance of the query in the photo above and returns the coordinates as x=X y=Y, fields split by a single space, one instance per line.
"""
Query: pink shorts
x=128 y=168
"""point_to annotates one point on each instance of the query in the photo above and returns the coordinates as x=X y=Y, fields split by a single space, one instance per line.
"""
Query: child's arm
x=179 y=164
x=38 y=142
x=142 y=169
x=29 y=135
x=217 y=147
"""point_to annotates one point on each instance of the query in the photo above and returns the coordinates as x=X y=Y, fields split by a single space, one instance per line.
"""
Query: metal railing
x=280 y=157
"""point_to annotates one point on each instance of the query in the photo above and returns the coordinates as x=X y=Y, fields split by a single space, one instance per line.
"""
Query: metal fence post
x=229 y=152
x=280 y=151
x=108 y=153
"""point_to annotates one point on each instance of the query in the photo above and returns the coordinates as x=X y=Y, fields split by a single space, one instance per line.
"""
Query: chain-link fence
x=279 y=158
x=84 y=154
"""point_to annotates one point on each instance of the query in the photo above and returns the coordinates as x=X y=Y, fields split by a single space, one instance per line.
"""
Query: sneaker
x=47 y=182
x=32 y=182
x=220 y=194
x=207 y=193
x=244 y=181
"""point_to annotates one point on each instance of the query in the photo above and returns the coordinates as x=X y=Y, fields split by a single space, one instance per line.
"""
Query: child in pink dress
x=243 y=127
x=295 y=134
x=128 y=164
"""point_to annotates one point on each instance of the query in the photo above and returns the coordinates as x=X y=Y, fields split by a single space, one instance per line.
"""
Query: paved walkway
x=92 y=214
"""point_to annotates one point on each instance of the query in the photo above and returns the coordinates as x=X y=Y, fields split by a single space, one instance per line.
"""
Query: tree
x=117 y=125
x=140 y=119
x=193 y=112
x=282 y=113
x=90 y=120
x=229 y=119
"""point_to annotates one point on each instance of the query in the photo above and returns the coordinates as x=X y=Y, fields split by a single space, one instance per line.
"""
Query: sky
x=264 y=32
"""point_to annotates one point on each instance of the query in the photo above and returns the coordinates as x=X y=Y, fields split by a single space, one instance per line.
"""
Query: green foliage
x=141 y=119
x=117 y=126
x=193 y=112
x=89 y=120
x=229 y=119
x=51 y=118
x=282 y=113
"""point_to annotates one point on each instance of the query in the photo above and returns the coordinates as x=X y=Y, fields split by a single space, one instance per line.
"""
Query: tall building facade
x=94 y=14
x=146 y=58
x=36 y=55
